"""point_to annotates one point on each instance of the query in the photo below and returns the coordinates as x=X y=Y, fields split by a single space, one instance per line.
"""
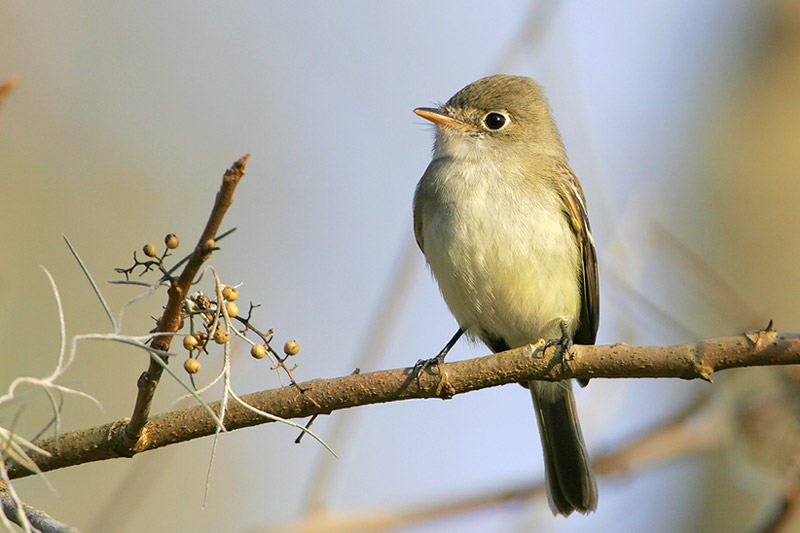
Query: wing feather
x=575 y=209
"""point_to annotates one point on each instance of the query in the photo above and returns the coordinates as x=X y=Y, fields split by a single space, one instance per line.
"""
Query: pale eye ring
x=495 y=120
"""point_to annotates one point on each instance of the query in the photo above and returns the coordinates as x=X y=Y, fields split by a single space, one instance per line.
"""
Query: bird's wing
x=575 y=209
x=420 y=196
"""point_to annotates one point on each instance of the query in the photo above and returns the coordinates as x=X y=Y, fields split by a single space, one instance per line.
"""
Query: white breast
x=502 y=252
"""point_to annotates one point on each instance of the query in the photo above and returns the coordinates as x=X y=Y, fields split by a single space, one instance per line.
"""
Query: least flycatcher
x=502 y=221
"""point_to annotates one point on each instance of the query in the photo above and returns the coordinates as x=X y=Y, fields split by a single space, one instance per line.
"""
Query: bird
x=502 y=221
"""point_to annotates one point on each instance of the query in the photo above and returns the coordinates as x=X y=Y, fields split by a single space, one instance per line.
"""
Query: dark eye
x=495 y=121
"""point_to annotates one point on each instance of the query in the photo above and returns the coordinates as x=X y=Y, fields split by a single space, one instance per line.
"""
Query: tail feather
x=568 y=474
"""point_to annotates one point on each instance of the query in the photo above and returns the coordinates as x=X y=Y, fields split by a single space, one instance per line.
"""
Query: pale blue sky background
x=127 y=114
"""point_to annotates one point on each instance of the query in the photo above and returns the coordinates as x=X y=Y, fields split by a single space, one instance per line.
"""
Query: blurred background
x=681 y=119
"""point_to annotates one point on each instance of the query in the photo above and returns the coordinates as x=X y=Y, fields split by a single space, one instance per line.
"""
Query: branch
x=323 y=396
x=673 y=439
x=170 y=319
x=39 y=520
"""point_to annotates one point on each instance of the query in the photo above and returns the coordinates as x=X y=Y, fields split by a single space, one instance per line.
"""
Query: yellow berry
x=232 y=309
x=221 y=335
x=190 y=342
x=149 y=250
x=171 y=241
x=192 y=365
x=201 y=336
x=291 y=348
x=259 y=351
x=230 y=293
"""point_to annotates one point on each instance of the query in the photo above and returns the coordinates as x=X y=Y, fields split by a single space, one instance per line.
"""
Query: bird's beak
x=439 y=118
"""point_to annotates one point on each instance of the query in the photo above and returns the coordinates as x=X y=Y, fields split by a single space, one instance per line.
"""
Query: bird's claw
x=562 y=345
x=424 y=364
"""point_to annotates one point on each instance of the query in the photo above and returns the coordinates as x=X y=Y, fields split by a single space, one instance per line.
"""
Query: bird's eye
x=495 y=121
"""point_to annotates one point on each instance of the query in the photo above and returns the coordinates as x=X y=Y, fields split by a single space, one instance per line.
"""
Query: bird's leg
x=424 y=364
x=562 y=344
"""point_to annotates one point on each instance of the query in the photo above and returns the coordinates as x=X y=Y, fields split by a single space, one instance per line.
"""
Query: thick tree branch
x=323 y=396
x=179 y=288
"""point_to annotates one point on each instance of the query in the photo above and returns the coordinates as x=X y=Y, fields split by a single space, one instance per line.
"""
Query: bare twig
x=179 y=288
x=687 y=361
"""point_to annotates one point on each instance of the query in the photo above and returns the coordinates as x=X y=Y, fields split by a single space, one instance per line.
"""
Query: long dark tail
x=568 y=474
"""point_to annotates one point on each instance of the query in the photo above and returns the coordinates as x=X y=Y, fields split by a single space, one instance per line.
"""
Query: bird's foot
x=424 y=364
x=427 y=364
x=562 y=345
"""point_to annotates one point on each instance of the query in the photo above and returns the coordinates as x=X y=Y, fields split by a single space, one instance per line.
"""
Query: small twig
x=167 y=273
x=179 y=288
x=313 y=418
x=266 y=338
x=177 y=265
x=147 y=266
x=308 y=426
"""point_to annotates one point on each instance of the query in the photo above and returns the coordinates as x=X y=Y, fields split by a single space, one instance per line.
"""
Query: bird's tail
x=568 y=474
